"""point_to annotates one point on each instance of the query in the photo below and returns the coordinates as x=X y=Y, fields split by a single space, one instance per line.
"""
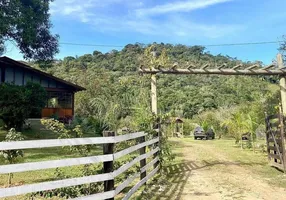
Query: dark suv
x=200 y=133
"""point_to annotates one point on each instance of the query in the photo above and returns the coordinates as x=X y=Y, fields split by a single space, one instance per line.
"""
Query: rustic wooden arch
x=254 y=70
x=275 y=143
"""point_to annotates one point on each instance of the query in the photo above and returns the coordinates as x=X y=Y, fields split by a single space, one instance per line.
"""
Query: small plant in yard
x=73 y=191
x=85 y=170
x=12 y=155
x=64 y=132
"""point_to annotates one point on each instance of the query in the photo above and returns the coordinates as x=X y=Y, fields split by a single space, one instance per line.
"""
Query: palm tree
x=236 y=126
x=251 y=125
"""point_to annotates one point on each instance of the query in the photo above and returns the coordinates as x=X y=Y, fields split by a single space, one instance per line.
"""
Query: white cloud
x=74 y=8
x=180 y=6
x=173 y=28
x=99 y=16
x=86 y=10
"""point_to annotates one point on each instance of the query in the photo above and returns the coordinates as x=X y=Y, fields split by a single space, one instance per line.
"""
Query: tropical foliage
x=117 y=96
x=18 y=103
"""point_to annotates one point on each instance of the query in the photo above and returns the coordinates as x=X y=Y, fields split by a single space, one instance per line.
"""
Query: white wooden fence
x=109 y=191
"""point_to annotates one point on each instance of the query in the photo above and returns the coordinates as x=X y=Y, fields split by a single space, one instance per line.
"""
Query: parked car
x=200 y=133
x=210 y=134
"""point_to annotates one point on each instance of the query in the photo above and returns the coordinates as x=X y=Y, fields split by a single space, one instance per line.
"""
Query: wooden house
x=60 y=100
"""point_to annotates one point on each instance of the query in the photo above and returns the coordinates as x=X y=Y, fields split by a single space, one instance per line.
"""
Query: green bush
x=1 y=123
x=18 y=103
x=11 y=155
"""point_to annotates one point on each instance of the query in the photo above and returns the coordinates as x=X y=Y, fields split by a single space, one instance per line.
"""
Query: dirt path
x=219 y=178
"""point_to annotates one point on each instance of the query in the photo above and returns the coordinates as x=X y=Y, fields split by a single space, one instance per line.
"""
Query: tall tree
x=27 y=23
x=282 y=47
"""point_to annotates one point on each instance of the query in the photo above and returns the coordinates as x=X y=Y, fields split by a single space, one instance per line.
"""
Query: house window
x=59 y=100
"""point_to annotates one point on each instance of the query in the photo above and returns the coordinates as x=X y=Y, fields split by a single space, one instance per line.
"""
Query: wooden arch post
x=154 y=94
x=282 y=84
x=154 y=109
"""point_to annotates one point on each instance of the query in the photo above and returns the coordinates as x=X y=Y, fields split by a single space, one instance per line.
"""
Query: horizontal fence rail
x=32 y=144
x=24 y=189
x=107 y=158
x=140 y=183
x=4 y=169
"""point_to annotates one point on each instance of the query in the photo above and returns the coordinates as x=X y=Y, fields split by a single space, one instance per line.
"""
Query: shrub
x=12 y=155
x=18 y=103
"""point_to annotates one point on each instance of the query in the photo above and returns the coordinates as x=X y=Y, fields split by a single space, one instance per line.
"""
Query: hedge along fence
x=108 y=158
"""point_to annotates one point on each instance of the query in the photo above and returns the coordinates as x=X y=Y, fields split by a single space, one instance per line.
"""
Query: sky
x=116 y=23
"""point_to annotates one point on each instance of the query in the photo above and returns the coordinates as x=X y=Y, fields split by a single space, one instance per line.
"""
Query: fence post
x=143 y=161
x=156 y=128
x=108 y=166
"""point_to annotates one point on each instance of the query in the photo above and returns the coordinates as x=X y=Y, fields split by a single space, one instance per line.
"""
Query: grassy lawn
x=35 y=155
x=55 y=153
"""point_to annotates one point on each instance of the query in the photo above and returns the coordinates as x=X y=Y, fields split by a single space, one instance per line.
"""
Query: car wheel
x=195 y=138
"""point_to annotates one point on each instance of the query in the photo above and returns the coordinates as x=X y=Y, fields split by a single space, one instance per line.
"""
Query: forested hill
x=112 y=77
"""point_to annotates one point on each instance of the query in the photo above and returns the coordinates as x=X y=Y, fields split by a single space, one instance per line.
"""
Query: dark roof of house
x=10 y=61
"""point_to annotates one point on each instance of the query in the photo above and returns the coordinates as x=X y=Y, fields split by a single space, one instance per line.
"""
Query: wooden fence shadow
x=177 y=176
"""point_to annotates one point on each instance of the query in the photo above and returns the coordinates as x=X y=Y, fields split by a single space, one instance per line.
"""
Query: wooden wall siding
x=21 y=77
x=52 y=84
x=106 y=176
x=59 y=85
x=9 y=75
x=48 y=112
x=27 y=77
x=45 y=83
x=36 y=79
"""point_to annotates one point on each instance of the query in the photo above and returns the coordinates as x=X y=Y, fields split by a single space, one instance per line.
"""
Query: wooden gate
x=275 y=139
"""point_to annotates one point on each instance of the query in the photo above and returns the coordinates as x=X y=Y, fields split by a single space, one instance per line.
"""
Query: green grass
x=43 y=154
x=55 y=153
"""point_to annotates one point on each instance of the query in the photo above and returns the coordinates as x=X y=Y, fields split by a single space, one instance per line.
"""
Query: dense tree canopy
x=26 y=22
x=113 y=76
